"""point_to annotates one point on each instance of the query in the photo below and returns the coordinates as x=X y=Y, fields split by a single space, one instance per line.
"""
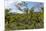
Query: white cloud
x=37 y=9
x=17 y=11
x=8 y=2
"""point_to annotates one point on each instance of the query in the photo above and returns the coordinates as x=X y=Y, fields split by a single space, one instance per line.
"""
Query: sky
x=11 y=4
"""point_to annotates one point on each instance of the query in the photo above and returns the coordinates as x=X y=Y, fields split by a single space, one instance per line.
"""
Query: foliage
x=31 y=20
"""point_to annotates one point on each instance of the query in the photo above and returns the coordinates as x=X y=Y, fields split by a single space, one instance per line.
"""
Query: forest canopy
x=27 y=20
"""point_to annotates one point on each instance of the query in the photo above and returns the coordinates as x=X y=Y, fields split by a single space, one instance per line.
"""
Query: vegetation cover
x=27 y=20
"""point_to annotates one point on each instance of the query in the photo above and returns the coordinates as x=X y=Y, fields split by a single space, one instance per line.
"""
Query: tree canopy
x=17 y=21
